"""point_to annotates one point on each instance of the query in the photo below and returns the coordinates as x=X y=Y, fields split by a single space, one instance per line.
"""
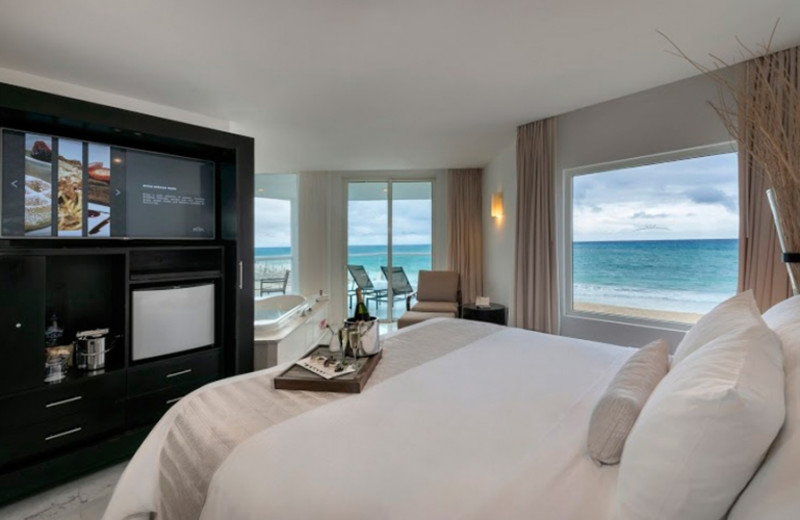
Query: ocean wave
x=676 y=300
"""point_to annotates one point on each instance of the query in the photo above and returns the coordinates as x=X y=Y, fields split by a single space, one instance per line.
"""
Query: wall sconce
x=497 y=204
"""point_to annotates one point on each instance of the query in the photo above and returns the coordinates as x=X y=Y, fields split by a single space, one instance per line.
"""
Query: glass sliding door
x=412 y=244
x=367 y=245
x=389 y=235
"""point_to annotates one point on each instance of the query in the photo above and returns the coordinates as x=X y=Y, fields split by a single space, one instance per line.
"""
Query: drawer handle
x=179 y=373
x=63 y=434
x=65 y=401
x=174 y=400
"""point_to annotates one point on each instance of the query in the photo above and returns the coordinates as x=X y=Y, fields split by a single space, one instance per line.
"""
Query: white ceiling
x=378 y=84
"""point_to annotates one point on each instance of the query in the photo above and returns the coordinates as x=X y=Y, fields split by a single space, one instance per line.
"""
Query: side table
x=494 y=313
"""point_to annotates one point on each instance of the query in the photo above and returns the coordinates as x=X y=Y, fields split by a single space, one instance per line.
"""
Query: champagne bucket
x=369 y=334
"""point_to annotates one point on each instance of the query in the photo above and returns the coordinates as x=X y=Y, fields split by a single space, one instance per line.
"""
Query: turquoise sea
x=668 y=275
x=412 y=258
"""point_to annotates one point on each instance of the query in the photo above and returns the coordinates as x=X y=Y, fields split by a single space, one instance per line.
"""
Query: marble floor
x=82 y=499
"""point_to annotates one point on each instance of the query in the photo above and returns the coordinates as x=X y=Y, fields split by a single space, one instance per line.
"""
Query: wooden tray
x=298 y=378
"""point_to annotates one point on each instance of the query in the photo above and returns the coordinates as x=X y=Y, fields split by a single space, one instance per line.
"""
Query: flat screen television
x=53 y=187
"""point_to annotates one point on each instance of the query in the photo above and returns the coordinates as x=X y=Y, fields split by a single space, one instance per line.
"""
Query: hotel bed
x=460 y=419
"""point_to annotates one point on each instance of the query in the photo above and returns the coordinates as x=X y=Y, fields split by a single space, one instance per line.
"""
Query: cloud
x=711 y=195
x=651 y=227
x=688 y=199
x=644 y=214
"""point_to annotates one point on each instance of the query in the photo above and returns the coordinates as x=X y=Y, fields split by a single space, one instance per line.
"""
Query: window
x=275 y=230
x=389 y=229
x=654 y=239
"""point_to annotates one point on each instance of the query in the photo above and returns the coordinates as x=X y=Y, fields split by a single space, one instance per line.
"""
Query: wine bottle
x=361 y=313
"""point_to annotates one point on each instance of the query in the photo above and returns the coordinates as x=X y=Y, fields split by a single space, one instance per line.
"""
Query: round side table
x=494 y=313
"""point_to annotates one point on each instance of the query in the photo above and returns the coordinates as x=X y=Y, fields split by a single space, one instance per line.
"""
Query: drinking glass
x=355 y=344
x=343 y=335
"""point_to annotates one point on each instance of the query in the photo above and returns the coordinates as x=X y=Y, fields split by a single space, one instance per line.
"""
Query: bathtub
x=272 y=313
x=286 y=327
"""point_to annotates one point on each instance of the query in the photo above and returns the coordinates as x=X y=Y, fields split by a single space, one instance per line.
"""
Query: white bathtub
x=274 y=312
x=286 y=327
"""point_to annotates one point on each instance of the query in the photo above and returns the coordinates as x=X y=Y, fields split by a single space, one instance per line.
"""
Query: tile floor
x=82 y=499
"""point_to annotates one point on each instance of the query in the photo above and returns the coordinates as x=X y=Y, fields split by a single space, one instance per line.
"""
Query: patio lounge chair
x=274 y=284
x=400 y=284
x=362 y=281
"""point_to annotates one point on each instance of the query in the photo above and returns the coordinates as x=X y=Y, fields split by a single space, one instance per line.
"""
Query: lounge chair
x=401 y=287
x=274 y=284
x=362 y=280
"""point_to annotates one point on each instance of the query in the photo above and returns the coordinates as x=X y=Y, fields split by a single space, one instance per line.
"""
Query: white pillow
x=734 y=314
x=704 y=430
x=774 y=492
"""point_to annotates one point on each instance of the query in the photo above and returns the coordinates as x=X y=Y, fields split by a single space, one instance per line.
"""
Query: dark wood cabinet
x=51 y=433
x=22 y=313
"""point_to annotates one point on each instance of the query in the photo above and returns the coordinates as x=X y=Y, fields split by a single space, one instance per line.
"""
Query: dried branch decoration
x=761 y=111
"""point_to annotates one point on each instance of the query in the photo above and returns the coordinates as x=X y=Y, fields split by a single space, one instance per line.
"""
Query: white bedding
x=496 y=429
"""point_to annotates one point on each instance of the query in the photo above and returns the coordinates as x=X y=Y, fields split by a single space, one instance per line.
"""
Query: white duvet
x=496 y=429
x=493 y=430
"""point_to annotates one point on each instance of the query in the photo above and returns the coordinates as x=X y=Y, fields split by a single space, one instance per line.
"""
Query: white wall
x=61 y=88
x=498 y=233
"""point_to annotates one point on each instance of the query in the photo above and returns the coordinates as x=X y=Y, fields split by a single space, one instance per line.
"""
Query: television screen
x=58 y=187
x=168 y=196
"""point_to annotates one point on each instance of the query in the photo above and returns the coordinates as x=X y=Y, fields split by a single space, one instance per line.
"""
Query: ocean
x=666 y=275
x=412 y=258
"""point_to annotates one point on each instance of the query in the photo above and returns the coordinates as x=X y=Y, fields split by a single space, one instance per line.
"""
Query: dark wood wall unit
x=51 y=433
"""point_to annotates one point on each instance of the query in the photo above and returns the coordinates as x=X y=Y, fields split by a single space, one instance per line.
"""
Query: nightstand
x=494 y=313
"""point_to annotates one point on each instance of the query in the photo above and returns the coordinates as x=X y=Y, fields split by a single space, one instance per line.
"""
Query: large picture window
x=654 y=239
x=275 y=231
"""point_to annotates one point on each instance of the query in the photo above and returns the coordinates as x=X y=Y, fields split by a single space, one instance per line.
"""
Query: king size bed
x=460 y=419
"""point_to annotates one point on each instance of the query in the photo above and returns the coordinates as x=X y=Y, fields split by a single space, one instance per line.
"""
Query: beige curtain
x=465 y=229
x=760 y=265
x=535 y=276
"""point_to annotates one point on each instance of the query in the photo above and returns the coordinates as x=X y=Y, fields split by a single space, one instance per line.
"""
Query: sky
x=273 y=222
x=367 y=222
x=688 y=199
x=411 y=222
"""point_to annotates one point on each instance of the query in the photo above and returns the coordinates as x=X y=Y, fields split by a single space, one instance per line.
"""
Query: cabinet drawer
x=149 y=408
x=47 y=437
x=158 y=375
x=99 y=392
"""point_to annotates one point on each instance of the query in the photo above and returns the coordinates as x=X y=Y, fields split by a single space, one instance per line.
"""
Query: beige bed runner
x=212 y=422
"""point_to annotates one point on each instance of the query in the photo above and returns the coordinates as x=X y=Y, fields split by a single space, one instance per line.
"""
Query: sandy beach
x=613 y=310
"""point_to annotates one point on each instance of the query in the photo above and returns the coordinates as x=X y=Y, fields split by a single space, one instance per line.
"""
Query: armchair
x=438 y=296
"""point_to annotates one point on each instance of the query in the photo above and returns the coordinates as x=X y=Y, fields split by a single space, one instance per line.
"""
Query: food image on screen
x=98 y=191
x=70 y=187
x=38 y=189
x=38 y=201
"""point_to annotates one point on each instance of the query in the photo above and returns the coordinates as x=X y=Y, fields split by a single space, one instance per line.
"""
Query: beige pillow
x=616 y=412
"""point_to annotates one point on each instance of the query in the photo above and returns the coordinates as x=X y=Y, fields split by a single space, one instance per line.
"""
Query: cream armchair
x=438 y=296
